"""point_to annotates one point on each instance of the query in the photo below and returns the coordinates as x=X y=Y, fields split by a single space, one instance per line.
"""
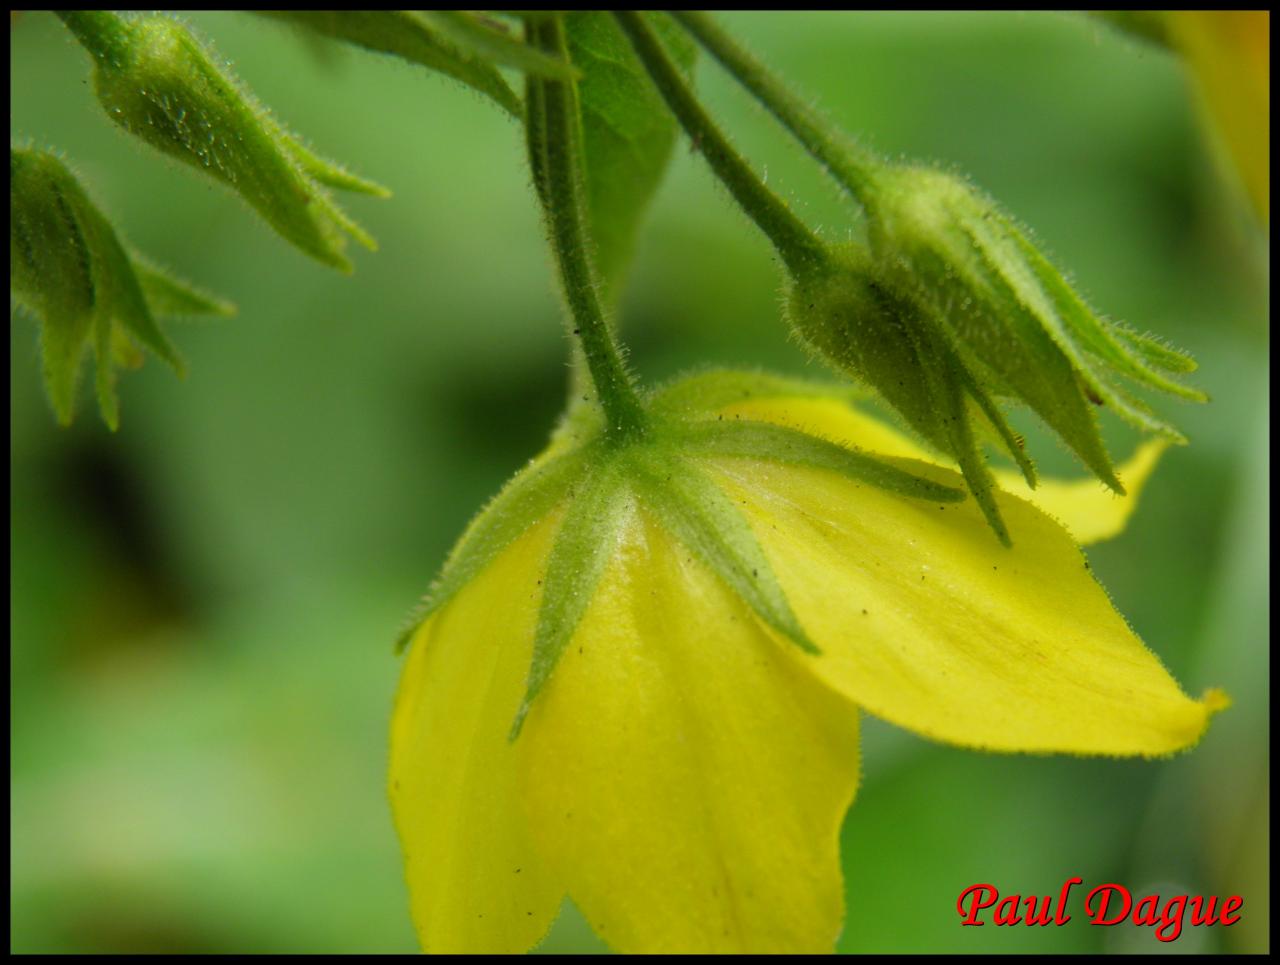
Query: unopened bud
x=69 y=269
x=854 y=320
x=1013 y=318
x=159 y=83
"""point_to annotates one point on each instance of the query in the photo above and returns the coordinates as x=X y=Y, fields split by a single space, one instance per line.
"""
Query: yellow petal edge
x=475 y=881
x=961 y=639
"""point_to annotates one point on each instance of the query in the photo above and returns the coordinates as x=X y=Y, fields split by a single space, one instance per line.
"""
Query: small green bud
x=954 y=308
x=850 y=316
x=159 y=83
x=1010 y=312
x=68 y=268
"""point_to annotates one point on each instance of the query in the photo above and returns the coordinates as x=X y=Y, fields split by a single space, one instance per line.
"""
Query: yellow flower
x=1229 y=52
x=686 y=743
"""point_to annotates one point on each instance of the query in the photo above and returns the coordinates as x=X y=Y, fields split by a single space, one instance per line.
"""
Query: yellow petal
x=475 y=883
x=1090 y=511
x=926 y=621
x=684 y=773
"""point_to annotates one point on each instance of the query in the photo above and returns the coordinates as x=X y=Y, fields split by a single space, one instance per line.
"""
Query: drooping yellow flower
x=683 y=629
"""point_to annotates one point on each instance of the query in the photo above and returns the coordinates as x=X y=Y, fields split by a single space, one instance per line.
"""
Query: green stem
x=101 y=32
x=798 y=246
x=849 y=163
x=554 y=153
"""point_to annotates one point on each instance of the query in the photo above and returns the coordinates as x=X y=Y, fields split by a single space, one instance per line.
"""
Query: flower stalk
x=849 y=163
x=799 y=247
x=554 y=153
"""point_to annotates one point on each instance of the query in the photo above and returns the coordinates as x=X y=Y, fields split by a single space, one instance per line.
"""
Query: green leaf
x=490 y=40
x=531 y=495
x=705 y=520
x=583 y=547
x=748 y=439
x=406 y=34
x=160 y=84
x=627 y=132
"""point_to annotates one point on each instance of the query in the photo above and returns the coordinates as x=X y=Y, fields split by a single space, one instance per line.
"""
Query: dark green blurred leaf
x=1148 y=25
x=406 y=34
x=627 y=131
x=489 y=39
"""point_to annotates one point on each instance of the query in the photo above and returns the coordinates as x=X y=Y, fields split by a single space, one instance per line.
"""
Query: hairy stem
x=554 y=156
x=798 y=246
x=101 y=32
x=849 y=163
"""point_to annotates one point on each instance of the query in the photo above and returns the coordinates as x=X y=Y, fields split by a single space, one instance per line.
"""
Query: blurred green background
x=203 y=605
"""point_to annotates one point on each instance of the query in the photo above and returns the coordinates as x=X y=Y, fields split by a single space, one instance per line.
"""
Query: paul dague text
x=1108 y=904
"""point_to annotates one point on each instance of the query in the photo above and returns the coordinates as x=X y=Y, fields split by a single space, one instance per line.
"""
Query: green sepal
x=748 y=439
x=628 y=134
x=330 y=172
x=50 y=267
x=998 y=425
x=1068 y=307
x=698 y=513
x=167 y=294
x=945 y=382
x=1019 y=358
x=709 y=391
x=68 y=268
x=584 y=544
x=486 y=40
x=406 y=34
x=118 y=292
x=105 y=373
x=529 y=496
x=1024 y=308
x=1155 y=350
x=159 y=83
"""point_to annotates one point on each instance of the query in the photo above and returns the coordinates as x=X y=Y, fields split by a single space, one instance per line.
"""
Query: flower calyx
x=595 y=485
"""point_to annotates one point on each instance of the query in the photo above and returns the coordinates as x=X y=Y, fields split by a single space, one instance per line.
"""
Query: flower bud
x=954 y=308
x=848 y=313
x=159 y=83
x=69 y=269
x=1010 y=313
